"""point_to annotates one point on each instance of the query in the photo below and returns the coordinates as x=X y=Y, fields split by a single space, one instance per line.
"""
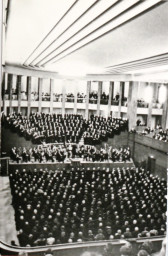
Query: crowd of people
x=49 y=128
x=63 y=153
x=57 y=97
x=34 y=96
x=69 y=97
x=45 y=96
x=158 y=133
x=104 y=98
x=61 y=206
x=55 y=128
x=100 y=129
x=147 y=248
x=81 y=97
x=93 y=96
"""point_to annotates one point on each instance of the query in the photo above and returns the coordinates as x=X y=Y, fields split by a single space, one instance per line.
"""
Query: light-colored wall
x=142 y=147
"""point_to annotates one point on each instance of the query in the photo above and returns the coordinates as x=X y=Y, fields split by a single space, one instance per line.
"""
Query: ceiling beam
x=17 y=70
x=132 y=10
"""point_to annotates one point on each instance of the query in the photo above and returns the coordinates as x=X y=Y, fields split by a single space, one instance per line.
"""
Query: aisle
x=7 y=222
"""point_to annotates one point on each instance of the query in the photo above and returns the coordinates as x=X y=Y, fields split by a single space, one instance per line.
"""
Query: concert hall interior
x=84 y=127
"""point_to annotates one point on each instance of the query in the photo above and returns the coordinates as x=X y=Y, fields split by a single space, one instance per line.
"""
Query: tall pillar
x=19 y=83
x=111 y=92
x=63 y=97
x=165 y=110
x=40 y=82
x=154 y=97
x=132 y=104
x=123 y=90
x=100 y=83
x=151 y=164
x=156 y=92
x=10 y=84
x=149 y=117
x=6 y=81
x=120 y=98
x=29 y=80
x=87 y=99
x=75 y=98
x=5 y=87
x=51 y=95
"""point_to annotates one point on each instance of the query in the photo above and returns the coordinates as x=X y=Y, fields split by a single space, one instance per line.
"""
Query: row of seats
x=53 y=206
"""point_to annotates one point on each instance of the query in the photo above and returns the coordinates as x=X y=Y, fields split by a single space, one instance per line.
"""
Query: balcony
x=92 y=101
x=69 y=99
x=104 y=101
x=81 y=100
x=46 y=97
x=114 y=102
x=57 y=97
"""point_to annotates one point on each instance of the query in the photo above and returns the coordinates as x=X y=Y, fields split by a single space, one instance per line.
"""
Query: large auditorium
x=84 y=127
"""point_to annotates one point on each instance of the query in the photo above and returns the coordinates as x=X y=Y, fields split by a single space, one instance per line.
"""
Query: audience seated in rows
x=61 y=206
x=63 y=153
x=53 y=128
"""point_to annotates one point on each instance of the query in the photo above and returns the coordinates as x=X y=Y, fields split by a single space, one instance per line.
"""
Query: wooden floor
x=7 y=222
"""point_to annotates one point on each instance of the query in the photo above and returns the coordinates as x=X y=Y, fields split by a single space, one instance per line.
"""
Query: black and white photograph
x=84 y=127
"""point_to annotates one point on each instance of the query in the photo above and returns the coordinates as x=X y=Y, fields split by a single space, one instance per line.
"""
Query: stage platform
x=75 y=163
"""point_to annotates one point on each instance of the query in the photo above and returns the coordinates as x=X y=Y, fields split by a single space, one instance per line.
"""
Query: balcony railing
x=69 y=99
x=81 y=100
x=142 y=104
x=124 y=103
x=57 y=98
x=14 y=97
x=34 y=97
x=104 y=101
x=24 y=96
x=46 y=98
x=115 y=102
x=92 y=101
x=157 y=105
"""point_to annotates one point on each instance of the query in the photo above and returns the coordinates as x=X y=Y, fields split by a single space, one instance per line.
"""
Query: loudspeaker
x=151 y=164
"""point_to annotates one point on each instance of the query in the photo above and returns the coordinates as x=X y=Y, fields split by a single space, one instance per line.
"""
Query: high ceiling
x=88 y=36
